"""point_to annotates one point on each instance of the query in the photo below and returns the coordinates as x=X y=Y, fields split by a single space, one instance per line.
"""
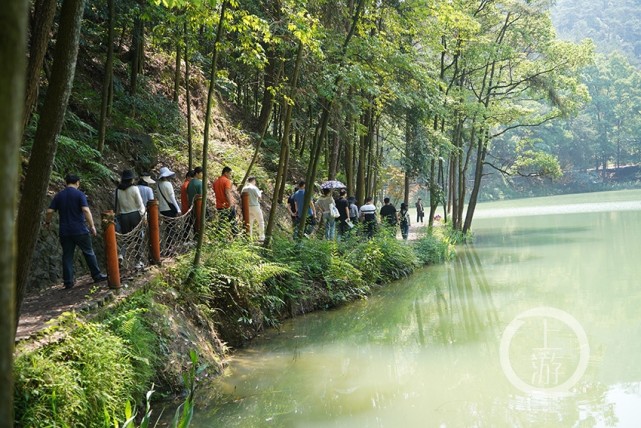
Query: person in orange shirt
x=184 y=199
x=225 y=203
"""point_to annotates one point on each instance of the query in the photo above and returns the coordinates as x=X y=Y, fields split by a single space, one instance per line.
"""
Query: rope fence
x=177 y=234
x=133 y=248
x=154 y=237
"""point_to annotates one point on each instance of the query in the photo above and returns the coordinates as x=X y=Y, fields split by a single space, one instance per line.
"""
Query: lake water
x=537 y=324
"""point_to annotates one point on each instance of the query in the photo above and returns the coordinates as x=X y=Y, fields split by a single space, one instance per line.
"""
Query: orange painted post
x=154 y=230
x=111 y=249
x=198 y=207
x=244 y=196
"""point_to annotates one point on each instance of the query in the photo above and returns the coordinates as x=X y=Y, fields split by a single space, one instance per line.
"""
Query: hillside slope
x=146 y=131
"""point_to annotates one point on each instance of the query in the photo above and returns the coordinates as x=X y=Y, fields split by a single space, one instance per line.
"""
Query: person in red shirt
x=184 y=199
x=225 y=203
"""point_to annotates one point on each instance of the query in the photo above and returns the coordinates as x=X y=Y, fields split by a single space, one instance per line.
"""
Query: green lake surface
x=535 y=324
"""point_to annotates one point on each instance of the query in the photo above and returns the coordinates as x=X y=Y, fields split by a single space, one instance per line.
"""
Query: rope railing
x=176 y=234
x=133 y=248
x=154 y=237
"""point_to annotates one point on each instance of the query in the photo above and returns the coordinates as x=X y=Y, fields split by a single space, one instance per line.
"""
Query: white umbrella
x=333 y=184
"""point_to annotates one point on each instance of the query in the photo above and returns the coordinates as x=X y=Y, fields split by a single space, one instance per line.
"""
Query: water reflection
x=426 y=351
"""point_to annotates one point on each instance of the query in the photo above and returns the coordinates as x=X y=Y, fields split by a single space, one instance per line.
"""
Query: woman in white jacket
x=167 y=203
x=129 y=207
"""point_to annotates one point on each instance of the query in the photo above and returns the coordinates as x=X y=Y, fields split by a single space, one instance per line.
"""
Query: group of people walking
x=336 y=212
x=76 y=224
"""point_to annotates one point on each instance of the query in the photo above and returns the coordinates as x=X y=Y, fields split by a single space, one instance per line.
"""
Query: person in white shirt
x=146 y=192
x=167 y=203
x=368 y=215
x=129 y=207
x=255 y=213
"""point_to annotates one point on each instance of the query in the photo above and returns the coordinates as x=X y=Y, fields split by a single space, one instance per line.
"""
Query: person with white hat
x=146 y=192
x=167 y=203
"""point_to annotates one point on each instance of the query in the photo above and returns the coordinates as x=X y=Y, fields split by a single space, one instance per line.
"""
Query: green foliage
x=75 y=153
x=367 y=257
x=344 y=281
x=184 y=413
x=398 y=258
x=232 y=276
x=75 y=381
x=434 y=247
x=80 y=157
x=532 y=163
x=131 y=325
x=147 y=112
x=47 y=392
x=613 y=28
x=88 y=375
x=309 y=257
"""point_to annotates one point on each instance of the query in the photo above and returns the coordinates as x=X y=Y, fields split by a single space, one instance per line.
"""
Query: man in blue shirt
x=299 y=198
x=75 y=216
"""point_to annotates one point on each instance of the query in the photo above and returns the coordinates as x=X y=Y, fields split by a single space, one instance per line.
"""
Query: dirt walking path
x=40 y=308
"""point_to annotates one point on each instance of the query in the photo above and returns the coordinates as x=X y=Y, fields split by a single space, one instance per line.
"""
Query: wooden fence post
x=154 y=230
x=111 y=249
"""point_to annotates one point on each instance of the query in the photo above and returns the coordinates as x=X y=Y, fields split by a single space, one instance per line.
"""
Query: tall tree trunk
x=271 y=78
x=281 y=189
x=327 y=108
x=137 y=52
x=361 y=191
x=478 y=176
x=435 y=191
x=374 y=155
x=379 y=156
x=106 y=83
x=263 y=129
x=408 y=142
x=43 y=16
x=284 y=147
x=190 y=143
x=454 y=188
x=349 y=154
x=13 y=33
x=335 y=149
x=210 y=105
x=371 y=154
x=177 y=67
x=32 y=202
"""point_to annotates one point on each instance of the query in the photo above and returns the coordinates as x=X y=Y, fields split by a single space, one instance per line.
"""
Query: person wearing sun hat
x=167 y=203
x=146 y=192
